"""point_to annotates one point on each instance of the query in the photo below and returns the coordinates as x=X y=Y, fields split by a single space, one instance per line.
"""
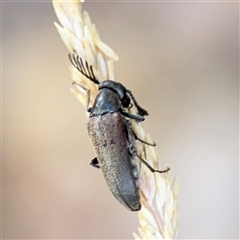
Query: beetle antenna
x=85 y=70
x=141 y=111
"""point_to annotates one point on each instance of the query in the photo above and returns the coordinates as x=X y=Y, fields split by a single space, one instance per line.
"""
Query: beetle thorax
x=107 y=101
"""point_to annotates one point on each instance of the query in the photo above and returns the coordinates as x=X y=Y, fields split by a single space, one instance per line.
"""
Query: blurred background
x=181 y=61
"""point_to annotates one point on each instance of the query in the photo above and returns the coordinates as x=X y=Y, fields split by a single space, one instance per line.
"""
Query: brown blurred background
x=181 y=62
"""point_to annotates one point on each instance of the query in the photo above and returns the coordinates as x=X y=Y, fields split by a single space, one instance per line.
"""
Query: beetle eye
x=125 y=102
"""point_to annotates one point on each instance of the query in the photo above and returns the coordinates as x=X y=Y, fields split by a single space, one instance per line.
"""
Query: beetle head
x=119 y=89
x=124 y=94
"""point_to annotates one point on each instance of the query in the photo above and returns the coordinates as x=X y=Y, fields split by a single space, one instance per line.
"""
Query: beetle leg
x=88 y=95
x=95 y=163
x=133 y=116
x=129 y=127
x=151 y=168
x=142 y=141
x=133 y=152
x=141 y=111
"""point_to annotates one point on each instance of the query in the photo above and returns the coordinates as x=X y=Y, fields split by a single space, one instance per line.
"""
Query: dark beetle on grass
x=113 y=138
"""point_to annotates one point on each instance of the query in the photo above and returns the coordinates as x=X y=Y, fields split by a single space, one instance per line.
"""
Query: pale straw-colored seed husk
x=158 y=218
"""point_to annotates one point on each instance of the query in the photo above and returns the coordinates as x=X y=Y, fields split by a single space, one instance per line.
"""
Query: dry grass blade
x=158 y=217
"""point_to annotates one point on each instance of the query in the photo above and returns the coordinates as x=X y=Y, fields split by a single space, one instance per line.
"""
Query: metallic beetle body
x=113 y=143
x=112 y=137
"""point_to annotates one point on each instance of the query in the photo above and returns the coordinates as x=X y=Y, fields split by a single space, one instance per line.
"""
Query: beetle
x=112 y=137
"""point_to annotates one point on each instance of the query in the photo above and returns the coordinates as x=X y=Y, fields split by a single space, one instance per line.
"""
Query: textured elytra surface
x=110 y=138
